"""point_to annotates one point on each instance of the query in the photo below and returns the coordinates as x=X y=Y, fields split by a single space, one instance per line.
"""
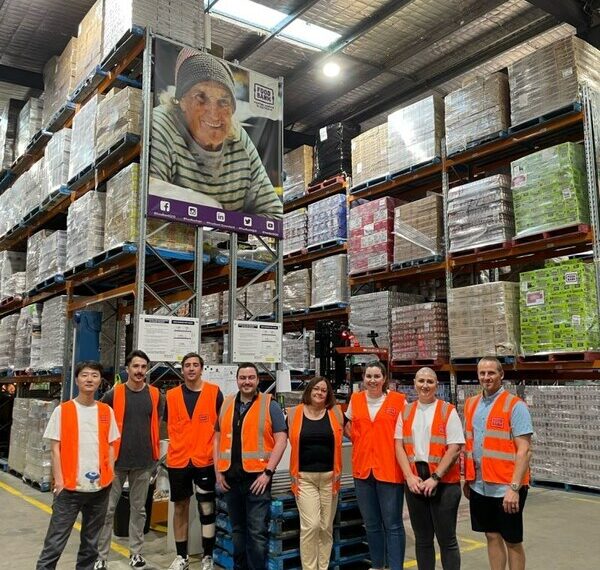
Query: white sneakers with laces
x=180 y=563
x=207 y=563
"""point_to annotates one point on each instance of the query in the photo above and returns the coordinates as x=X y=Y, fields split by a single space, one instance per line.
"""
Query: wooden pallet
x=574 y=230
x=370 y=272
x=420 y=362
x=475 y=359
x=584 y=356
x=480 y=249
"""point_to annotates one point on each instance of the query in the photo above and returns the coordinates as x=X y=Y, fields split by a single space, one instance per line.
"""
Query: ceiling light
x=331 y=69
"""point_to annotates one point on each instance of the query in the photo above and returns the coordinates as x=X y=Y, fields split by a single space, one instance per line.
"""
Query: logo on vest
x=497 y=422
x=442 y=430
x=92 y=476
x=203 y=418
x=391 y=411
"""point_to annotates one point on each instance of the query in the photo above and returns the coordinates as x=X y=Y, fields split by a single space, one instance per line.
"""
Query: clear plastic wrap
x=4 y=135
x=85 y=228
x=476 y=111
x=30 y=122
x=38 y=461
x=259 y=299
x=180 y=20
x=34 y=244
x=32 y=180
x=11 y=207
x=119 y=113
x=329 y=281
x=23 y=337
x=373 y=312
x=298 y=168
x=333 y=150
x=295 y=230
x=9 y=120
x=54 y=327
x=36 y=335
x=296 y=290
x=8 y=328
x=10 y=262
x=122 y=216
x=295 y=350
x=56 y=163
x=59 y=80
x=18 y=434
x=211 y=350
x=240 y=313
x=484 y=320
x=83 y=137
x=371 y=237
x=15 y=284
x=89 y=42
x=548 y=79
x=415 y=133
x=558 y=309
x=370 y=154
x=419 y=229
x=549 y=189
x=480 y=213
x=211 y=308
x=420 y=332
x=53 y=255
x=327 y=220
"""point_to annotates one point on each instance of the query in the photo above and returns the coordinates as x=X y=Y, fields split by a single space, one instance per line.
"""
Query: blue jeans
x=380 y=505
x=249 y=516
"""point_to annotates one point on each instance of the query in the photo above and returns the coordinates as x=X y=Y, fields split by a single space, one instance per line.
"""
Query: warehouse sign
x=257 y=342
x=216 y=144
x=168 y=339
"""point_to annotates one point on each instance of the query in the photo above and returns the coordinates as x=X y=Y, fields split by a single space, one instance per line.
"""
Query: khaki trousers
x=317 y=506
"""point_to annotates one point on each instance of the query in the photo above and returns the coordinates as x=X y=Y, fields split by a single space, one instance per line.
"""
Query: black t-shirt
x=136 y=444
x=316 y=445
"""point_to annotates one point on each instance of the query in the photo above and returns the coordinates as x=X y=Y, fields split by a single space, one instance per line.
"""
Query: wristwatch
x=515 y=487
x=269 y=472
x=436 y=477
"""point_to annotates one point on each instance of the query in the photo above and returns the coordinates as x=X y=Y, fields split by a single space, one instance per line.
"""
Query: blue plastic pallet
x=415 y=167
x=417 y=262
x=122 y=48
x=58 y=120
x=327 y=307
x=370 y=183
x=574 y=107
x=88 y=85
x=334 y=242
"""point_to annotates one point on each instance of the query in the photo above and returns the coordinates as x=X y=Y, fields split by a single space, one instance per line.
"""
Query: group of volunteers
x=234 y=444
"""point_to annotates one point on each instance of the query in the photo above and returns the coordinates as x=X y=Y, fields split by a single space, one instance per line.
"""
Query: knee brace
x=206 y=507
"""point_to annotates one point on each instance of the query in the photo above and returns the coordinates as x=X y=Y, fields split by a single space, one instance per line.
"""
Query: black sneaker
x=137 y=561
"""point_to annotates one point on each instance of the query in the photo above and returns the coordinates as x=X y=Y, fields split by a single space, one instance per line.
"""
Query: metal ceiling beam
x=250 y=47
x=392 y=61
x=22 y=77
x=362 y=28
x=568 y=11
x=399 y=92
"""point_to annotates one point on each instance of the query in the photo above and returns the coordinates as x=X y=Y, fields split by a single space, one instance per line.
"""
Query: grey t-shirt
x=136 y=444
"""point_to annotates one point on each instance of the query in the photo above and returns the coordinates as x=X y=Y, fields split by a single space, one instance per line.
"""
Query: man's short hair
x=192 y=355
x=92 y=364
x=494 y=360
x=139 y=354
x=246 y=365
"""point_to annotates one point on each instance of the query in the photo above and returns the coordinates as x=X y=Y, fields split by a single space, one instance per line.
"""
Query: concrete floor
x=561 y=531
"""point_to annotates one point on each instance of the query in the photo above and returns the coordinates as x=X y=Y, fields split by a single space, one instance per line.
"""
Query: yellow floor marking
x=595 y=501
x=159 y=528
x=48 y=510
x=472 y=545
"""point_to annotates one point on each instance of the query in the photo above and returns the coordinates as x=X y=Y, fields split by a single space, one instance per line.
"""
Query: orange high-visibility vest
x=373 y=448
x=191 y=439
x=499 y=450
x=119 y=396
x=295 y=419
x=437 y=442
x=69 y=444
x=257 y=434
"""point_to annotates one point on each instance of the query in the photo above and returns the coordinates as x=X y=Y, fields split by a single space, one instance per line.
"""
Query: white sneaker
x=207 y=563
x=180 y=563
x=100 y=565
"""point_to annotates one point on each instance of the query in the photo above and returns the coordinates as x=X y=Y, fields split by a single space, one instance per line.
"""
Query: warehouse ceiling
x=390 y=52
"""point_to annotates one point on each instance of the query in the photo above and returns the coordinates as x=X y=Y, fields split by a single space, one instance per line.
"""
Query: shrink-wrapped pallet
x=240 y=313
x=30 y=122
x=8 y=132
x=36 y=335
x=476 y=112
x=119 y=113
x=373 y=312
x=18 y=434
x=415 y=133
x=8 y=328
x=181 y=20
x=549 y=78
x=370 y=154
x=89 y=42
x=259 y=299
x=54 y=329
x=59 y=80
x=85 y=228
x=56 y=162
x=370 y=233
x=33 y=182
x=329 y=281
x=549 y=189
x=298 y=168
x=480 y=213
x=211 y=308
x=295 y=351
x=10 y=262
x=419 y=229
x=333 y=150
x=558 y=309
x=53 y=255
x=211 y=351
x=295 y=231
x=34 y=245
x=420 y=332
x=38 y=461
x=122 y=216
x=23 y=332
x=327 y=220
x=483 y=320
x=296 y=290
x=83 y=137
x=15 y=285
x=4 y=158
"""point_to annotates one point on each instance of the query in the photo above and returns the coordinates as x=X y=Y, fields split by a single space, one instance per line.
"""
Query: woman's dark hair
x=139 y=354
x=329 y=401
x=92 y=364
x=382 y=368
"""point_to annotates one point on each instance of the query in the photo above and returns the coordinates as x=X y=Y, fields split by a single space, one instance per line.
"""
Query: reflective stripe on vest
x=69 y=444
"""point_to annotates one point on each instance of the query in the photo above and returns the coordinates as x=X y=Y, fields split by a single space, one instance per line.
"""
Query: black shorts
x=182 y=481
x=487 y=515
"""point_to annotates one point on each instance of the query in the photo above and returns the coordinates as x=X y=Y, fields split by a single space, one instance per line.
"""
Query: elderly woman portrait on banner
x=199 y=151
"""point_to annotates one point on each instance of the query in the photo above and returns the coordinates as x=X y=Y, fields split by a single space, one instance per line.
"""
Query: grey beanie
x=193 y=66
